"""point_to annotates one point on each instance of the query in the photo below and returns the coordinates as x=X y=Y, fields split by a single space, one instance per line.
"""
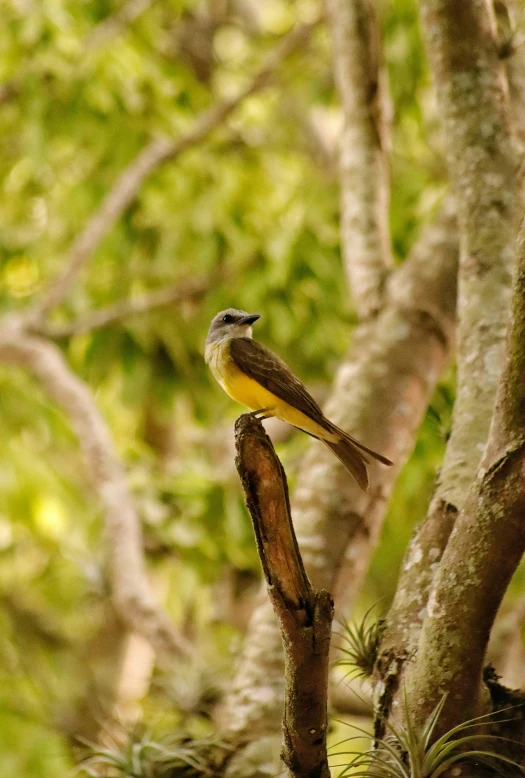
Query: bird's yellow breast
x=247 y=391
x=239 y=386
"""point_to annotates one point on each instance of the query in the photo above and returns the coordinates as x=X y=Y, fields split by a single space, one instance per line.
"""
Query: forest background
x=160 y=161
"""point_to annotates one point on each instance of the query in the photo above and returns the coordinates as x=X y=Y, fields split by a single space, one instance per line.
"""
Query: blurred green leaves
x=252 y=201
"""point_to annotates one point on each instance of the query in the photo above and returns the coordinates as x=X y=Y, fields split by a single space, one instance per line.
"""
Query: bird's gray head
x=231 y=323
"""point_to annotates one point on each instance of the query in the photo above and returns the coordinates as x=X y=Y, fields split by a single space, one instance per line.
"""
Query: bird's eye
x=227 y=319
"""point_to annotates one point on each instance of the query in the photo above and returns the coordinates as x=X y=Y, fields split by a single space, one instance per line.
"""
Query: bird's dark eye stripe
x=228 y=319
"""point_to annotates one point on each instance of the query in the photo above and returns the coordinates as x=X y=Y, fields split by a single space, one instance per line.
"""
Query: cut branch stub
x=266 y=494
x=304 y=614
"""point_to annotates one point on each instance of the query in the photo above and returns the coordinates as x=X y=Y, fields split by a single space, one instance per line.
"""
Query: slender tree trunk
x=365 y=186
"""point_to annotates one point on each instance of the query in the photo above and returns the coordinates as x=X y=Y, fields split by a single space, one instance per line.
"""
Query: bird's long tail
x=349 y=452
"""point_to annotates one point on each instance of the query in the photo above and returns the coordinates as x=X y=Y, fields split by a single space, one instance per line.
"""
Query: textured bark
x=421 y=561
x=304 y=614
x=483 y=552
x=156 y=153
x=381 y=392
x=484 y=166
x=131 y=593
x=365 y=192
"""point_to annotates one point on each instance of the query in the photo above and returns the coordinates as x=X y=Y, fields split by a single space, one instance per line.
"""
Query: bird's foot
x=260 y=414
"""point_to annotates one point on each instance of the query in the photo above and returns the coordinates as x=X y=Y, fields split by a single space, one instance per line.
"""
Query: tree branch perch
x=304 y=613
x=112 y=25
x=381 y=392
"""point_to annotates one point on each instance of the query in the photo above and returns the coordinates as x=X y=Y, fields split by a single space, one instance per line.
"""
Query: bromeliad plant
x=360 y=642
x=140 y=755
x=408 y=753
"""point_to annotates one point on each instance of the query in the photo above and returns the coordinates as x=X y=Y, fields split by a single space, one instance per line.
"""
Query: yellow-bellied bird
x=252 y=375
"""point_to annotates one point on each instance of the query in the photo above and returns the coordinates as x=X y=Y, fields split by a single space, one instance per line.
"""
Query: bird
x=254 y=376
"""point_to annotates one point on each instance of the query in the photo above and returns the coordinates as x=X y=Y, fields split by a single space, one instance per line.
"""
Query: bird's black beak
x=250 y=319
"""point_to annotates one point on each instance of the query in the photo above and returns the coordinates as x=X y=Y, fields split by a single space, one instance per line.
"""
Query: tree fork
x=304 y=613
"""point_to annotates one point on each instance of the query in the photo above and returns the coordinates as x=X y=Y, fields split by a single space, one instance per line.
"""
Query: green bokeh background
x=251 y=202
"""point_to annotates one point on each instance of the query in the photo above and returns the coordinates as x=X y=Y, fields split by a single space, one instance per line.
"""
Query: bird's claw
x=259 y=414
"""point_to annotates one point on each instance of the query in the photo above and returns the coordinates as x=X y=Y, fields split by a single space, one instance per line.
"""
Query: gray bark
x=365 y=188
x=484 y=163
x=483 y=552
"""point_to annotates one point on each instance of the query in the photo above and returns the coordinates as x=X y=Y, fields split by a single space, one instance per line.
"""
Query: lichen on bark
x=484 y=163
x=483 y=552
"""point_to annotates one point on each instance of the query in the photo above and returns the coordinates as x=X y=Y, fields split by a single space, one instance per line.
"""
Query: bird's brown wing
x=265 y=367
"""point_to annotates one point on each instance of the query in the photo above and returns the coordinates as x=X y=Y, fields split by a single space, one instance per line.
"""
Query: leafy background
x=255 y=209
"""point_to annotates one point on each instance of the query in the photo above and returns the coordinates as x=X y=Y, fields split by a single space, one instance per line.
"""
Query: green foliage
x=140 y=755
x=360 y=642
x=252 y=204
x=407 y=752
